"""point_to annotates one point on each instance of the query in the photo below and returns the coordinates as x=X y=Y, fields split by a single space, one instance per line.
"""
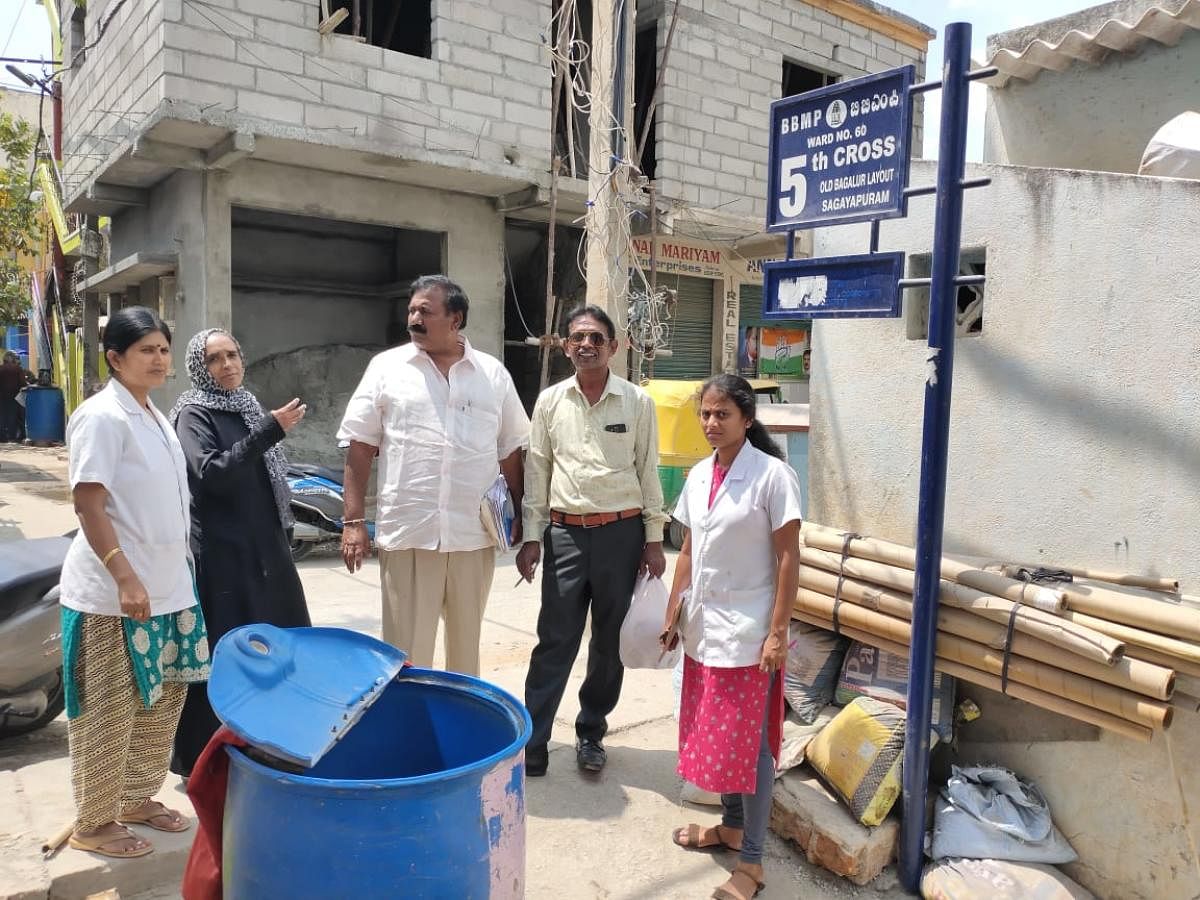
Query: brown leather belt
x=592 y=520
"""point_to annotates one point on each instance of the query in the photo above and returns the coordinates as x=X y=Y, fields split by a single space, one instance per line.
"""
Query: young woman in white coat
x=735 y=584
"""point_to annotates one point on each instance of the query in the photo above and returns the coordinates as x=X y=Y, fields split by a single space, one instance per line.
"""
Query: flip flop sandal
x=740 y=886
x=148 y=812
x=95 y=843
x=688 y=838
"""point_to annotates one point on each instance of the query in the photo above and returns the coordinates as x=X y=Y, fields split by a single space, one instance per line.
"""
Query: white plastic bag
x=643 y=624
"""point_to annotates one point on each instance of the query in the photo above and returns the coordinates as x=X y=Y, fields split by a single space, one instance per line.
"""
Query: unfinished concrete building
x=262 y=175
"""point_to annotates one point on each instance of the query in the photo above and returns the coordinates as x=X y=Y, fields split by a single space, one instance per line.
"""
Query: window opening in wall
x=312 y=300
x=972 y=261
x=525 y=299
x=77 y=38
x=405 y=26
x=645 y=74
x=572 y=131
x=798 y=79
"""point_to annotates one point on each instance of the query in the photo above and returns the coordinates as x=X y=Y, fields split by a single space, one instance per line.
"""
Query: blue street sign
x=840 y=153
x=836 y=287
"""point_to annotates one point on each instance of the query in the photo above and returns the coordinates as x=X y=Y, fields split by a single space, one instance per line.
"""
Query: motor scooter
x=318 y=506
x=31 y=684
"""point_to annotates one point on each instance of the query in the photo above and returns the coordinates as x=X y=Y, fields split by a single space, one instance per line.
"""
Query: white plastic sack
x=986 y=812
x=642 y=626
x=1174 y=151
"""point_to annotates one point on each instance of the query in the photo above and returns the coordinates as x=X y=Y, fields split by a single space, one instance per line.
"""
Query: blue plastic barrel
x=45 y=414
x=424 y=797
x=16 y=339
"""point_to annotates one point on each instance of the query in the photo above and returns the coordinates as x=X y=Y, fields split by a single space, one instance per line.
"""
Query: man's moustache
x=419 y=329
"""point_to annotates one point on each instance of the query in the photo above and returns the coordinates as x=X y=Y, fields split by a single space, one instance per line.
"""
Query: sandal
x=98 y=843
x=740 y=886
x=689 y=838
x=149 y=810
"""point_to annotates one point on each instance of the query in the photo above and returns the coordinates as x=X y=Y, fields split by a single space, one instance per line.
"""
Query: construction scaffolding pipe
x=1016 y=690
x=1049 y=599
x=1021 y=670
x=1154 y=681
x=1086 y=642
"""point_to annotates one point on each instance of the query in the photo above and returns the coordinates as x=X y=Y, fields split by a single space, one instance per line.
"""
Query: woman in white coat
x=735 y=584
x=133 y=634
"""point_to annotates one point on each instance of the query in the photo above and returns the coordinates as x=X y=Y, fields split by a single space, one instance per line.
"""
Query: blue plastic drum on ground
x=421 y=796
x=45 y=414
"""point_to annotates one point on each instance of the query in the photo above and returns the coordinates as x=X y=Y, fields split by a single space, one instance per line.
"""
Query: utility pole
x=612 y=103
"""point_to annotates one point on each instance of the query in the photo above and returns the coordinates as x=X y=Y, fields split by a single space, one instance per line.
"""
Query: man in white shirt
x=443 y=418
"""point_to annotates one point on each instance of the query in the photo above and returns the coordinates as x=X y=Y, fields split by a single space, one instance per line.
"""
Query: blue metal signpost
x=931 y=508
x=841 y=154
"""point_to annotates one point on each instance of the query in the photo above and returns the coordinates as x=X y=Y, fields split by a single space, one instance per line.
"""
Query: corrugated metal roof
x=1157 y=23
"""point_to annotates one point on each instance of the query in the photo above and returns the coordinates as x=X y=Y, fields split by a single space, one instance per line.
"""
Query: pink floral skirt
x=720 y=725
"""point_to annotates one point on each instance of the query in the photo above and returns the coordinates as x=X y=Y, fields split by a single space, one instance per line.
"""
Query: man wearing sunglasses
x=593 y=497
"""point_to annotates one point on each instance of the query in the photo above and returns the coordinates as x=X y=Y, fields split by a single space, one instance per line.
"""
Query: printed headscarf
x=207 y=393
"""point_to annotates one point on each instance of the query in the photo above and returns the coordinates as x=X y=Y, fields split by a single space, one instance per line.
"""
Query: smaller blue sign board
x=840 y=153
x=835 y=287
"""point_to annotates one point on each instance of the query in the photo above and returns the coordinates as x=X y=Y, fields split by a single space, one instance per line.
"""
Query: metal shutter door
x=691 y=330
x=750 y=305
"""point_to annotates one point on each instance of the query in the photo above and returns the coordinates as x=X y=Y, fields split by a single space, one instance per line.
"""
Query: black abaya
x=244 y=568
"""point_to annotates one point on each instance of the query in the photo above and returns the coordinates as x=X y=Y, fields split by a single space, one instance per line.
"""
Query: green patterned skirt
x=172 y=647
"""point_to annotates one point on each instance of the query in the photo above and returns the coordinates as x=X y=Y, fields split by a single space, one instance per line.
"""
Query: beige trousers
x=421 y=586
x=119 y=749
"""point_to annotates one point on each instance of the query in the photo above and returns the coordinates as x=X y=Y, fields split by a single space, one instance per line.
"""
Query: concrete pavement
x=605 y=837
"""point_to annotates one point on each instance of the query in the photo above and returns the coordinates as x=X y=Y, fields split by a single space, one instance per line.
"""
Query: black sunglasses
x=595 y=338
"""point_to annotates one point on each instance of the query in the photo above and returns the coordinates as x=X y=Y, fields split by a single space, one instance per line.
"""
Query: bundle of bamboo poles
x=1104 y=648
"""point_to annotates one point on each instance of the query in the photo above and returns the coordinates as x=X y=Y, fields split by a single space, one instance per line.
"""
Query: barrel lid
x=293 y=692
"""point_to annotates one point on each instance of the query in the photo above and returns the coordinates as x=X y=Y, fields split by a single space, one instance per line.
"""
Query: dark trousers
x=12 y=419
x=584 y=569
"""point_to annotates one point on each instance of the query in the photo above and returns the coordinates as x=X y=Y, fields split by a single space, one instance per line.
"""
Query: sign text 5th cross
x=840 y=154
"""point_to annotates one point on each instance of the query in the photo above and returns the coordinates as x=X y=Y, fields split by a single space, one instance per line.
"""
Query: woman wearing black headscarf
x=240 y=512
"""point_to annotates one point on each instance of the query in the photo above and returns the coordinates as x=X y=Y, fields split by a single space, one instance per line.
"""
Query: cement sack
x=994 y=879
x=813 y=662
x=858 y=755
x=798 y=735
x=643 y=623
x=870 y=672
x=986 y=812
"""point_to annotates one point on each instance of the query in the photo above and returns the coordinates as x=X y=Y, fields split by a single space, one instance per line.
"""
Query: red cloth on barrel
x=206 y=789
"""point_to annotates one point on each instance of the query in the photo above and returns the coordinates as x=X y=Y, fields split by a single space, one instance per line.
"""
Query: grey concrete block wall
x=725 y=69
x=112 y=87
x=485 y=93
x=494 y=65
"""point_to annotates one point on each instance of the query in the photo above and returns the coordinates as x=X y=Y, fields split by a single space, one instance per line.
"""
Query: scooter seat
x=28 y=561
x=302 y=469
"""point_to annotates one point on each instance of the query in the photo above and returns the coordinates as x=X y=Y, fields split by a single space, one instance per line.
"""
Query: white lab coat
x=134 y=453
x=727 y=612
